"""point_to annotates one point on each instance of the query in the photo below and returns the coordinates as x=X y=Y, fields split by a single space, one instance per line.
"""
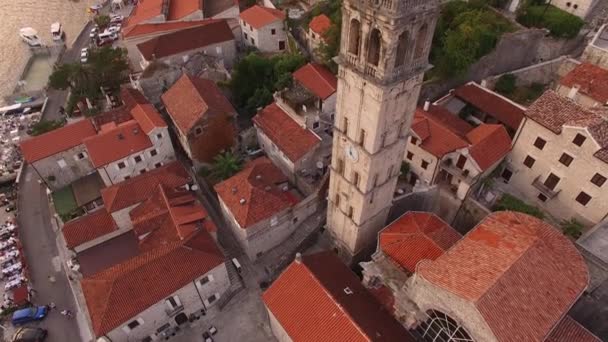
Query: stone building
x=559 y=157
x=59 y=157
x=596 y=51
x=317 y=298
x=586 y=84
x=264 y=28
x=261 y=207
x=214 y=38
x=512 y=278
x=317 y=28
x=383 y=55
x=203 y=119
x=444 y=149
x=580 y=8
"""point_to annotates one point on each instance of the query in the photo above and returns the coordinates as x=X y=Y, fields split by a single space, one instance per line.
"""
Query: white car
x=93 y=33
x=116 y=18
x=84 y=55
x=114 y=28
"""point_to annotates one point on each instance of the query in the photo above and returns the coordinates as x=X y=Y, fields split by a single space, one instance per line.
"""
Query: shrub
x=44 y=126
x=572 y=228
x=506 y=84
x=512 y=203
x=560 y=23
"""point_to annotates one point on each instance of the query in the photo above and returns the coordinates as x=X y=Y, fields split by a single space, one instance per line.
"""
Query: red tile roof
x=258 y=16
x=502 y=109
x=181 y=8
x=292 y=139
x=121 y=292
x=140 y=188
x=310 y=301
x=213 y=32
x=449 y=120
x=522 y=274
x=146 y=10
x=437 y=139
x=416 y=236
x=591 y=80
x=317 y=79
x=166 y=27
x=147 y=117
x=489 y=144
x=56 y=141
x=191 y=98
x=320 y=24
x=569 y=330
x=115 y=142
x=88 y=227
x=256 y=193
x=132 y=97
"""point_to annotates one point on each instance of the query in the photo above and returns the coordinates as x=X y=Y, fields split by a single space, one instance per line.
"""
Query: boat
x=30 y=36
x=24 y=99
x=57 y=31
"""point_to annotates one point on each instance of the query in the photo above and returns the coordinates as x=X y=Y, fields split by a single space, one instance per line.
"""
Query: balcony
x=300 y=100
x=544 y=189
x=463 y=175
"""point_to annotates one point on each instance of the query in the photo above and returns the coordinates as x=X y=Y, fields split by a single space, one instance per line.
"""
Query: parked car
x=116 y=18
x=84 y=55
x=30 y=314
x=9 y=208
x=93 y=33
x=115 y=28
x=30 y=334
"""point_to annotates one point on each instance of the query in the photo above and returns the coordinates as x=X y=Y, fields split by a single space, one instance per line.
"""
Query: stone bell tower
x=384 y=52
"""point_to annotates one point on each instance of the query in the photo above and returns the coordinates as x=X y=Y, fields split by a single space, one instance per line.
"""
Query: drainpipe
x=199 y=295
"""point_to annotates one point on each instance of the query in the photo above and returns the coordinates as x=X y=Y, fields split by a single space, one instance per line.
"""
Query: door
x=413 y=178
x=551 y=181
x=461 y=160
x=282 y=45
x=506 y=175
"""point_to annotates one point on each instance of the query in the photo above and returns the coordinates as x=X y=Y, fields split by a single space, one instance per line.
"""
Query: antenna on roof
x=242 y=201
x=298 y=258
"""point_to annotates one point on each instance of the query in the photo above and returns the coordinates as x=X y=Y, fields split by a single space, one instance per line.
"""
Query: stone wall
x=469 y=214
x=547 y=72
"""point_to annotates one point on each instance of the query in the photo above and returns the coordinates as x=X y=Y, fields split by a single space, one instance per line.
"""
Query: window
x=424 y=164
x=375 y=45
x=337 y=200
x=354 y=37
x=413 y=140
x=281 y=45
x=440 y=327
x=575 y=6
x=135 y=323
x=61 y=163
x=252 y=41
x=127 y=177
x=273 y=31
x=598 y=179
x=121 y=165
x=566 y=159
x=579 y=139
x=80 y=156
x=315 y=125
x=157 y=165
x=350 y=212
x=345 y=126
x=506 y=175
x=540 y=143
x=529 y=162
x=409 y=155
x=246 y=37
x=583 y=198
x=147 y=339
x=362 y=137
x=542 y=197
x=153 y=153
x=198 y=131
x=461 y=161
x=173 y=303
x=356 y=179
x=212 y=299
x=568 y=4
x=138 y=159
x=206 y=279
x=551 y=181
x=340 y=166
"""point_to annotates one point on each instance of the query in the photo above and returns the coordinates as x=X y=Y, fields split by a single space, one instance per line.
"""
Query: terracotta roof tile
x=317 y=79
x=310 y=301
x=448 y=120
x=88 y=227
x=522 y=274
x=489 y=144
x=158 y=28
x=502 y=109
x=147 y=117
x=140 y=188
x=320 y=24
x=416 y=236
x=181 y=8
x=115 y=142
x=146 y=10
x=255 y=193
x=258 y=16
x=56 y=141
x=437 y=139
x=569 y=330
x=591 y=80
x=291 y=138
x=132 y=97
x=197 y=37
x=191 y=98
x=119 y=293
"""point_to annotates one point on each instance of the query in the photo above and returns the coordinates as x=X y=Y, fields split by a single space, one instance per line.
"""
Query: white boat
x=30 y=36
x=57 y=31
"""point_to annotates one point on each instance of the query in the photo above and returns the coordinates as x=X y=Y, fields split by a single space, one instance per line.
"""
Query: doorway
x=181 y=318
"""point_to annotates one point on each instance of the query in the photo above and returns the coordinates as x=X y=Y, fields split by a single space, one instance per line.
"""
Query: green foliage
x=511 y=203
x=331 y=46
x=560 y=23
x=255 y=79
x=405 y=169
x=44 y=126
x=506 y=84
x=102 y=21
x=225 y=165
x=466 y=31
x=572 y=228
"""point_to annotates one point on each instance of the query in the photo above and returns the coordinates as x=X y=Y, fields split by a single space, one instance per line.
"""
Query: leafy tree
x=225 y=165
x=560 y=23
x=102 y=21
x=44 y=126
x=572 y=228
x=512 y=203
x=506 y=84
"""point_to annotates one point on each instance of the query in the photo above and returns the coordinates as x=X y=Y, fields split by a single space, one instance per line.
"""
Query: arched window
x=375 y=44
x=440 y=327
x=354 y=37
x=401 y=49
x=421 y=41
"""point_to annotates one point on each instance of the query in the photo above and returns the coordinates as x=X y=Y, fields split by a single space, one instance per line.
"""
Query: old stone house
x=586 y=84
x=204 y=120
x=580 y=8
x=317 y=28
x=264 y=28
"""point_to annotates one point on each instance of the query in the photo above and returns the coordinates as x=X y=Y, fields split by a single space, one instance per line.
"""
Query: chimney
x=242 y=201
x=298 y=258
x=484 y=83
x=234 y=189
x=573 y=91
x=427 y=104
x=258 y=177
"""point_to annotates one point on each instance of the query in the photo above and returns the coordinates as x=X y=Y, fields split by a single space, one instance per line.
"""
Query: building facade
x=264 y=28
x=383 y=55
x=580 y=8
x=586 y=84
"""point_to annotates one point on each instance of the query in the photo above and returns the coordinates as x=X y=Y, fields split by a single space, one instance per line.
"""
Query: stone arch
x=374 y=47
x=402 y=49
x=440 y=327
x=421 y=40
x=354 y=37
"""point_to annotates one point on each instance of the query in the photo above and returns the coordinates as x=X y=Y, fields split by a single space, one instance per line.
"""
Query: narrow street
x=40 y=249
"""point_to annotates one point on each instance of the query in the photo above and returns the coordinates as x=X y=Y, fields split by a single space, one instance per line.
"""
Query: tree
x=572 y=228
x=102 y=21
x=225 y=165
x=44 y=126
x=506 y=84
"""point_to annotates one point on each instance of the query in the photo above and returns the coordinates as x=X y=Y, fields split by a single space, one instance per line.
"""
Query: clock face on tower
x=352 y=152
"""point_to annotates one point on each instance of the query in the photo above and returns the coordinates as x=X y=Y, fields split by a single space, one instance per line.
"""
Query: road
x=40 y=249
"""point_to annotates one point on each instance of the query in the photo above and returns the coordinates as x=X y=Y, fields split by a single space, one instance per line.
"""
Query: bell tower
x=383 y=56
